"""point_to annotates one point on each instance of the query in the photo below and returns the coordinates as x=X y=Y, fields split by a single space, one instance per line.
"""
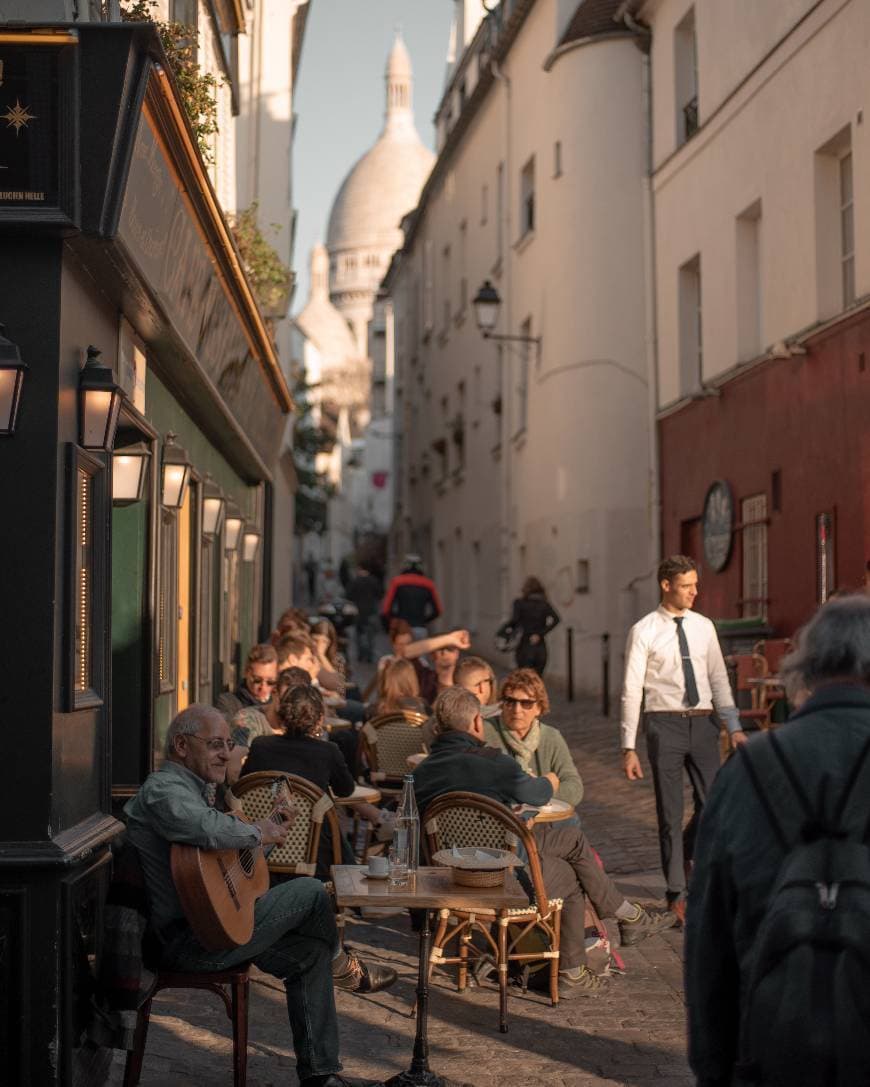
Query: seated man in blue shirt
x=295 y=936
x=460 y=761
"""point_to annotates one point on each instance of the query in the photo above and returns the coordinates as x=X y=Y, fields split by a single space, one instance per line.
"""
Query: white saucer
x=372 y=875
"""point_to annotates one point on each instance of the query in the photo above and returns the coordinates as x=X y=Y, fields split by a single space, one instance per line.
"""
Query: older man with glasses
x=295 y=937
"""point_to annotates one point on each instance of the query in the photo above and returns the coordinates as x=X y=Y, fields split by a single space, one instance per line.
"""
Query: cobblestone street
x=633 y=1035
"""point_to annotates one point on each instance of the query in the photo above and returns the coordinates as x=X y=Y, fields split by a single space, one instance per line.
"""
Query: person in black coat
x=532 y=617
x=301 y=751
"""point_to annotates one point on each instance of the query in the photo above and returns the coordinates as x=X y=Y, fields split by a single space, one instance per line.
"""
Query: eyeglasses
x=525 y=703
x=214 y=745
x=257 y=681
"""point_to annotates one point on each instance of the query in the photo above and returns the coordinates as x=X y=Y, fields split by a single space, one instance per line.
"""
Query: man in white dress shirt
x=675 y=675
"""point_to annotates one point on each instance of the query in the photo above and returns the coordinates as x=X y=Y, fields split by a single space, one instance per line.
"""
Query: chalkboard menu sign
x=36 y=131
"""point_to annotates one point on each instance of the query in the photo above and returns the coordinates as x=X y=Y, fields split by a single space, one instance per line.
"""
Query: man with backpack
x=778 y=922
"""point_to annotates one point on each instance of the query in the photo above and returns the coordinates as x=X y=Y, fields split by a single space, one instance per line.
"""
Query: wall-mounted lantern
x=12 y=369
x=176 y=473
x=99 y=403
x=213 y=503
x=250 y=543
x=233 y=523
x=487 y=303
x=129 y=473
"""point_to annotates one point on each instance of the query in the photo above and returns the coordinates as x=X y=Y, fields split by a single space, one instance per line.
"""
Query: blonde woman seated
x=399 y=689
x=539 y=748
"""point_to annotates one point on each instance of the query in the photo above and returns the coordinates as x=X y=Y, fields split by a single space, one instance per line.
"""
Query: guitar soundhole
x=246 y=860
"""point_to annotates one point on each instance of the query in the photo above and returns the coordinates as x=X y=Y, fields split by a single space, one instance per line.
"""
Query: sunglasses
x=525 y=703
x=256 y=681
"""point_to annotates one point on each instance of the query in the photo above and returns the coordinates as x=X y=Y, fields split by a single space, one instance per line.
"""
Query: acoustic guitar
x=218 y=888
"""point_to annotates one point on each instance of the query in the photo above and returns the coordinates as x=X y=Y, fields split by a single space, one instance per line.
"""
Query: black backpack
x=805 y=1007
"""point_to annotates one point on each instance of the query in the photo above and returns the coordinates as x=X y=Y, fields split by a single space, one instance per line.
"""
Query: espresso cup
x=378 y=866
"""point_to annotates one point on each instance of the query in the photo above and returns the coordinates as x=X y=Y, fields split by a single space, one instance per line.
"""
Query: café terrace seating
x=468 y=819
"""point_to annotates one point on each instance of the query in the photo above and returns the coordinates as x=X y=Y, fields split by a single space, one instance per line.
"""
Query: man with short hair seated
x=258 y=683
x=460 y=762
x=295 y=936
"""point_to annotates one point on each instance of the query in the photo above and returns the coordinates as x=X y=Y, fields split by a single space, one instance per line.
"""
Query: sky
x=339 y=99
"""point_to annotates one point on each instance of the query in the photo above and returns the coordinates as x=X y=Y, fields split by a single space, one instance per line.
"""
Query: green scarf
x=524 y=749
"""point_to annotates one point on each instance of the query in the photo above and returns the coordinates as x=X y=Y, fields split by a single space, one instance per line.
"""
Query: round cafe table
x=360 y=793
x=414 y=761
x=553 y=812
x=333 y=724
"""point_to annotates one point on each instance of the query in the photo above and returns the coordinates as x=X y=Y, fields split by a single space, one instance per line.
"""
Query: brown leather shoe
x=355 y=976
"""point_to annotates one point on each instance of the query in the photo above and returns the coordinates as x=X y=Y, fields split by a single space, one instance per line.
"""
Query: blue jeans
x=295 y=939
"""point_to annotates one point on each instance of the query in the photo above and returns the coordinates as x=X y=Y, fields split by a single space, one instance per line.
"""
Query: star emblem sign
x=17 y=116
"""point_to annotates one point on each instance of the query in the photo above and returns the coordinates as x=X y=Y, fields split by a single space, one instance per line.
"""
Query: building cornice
x=172 y=128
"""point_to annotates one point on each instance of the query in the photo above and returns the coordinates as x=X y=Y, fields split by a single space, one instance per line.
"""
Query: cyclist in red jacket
x=413 y=597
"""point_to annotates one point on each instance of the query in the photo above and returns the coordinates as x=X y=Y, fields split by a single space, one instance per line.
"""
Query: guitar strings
x=236 y=867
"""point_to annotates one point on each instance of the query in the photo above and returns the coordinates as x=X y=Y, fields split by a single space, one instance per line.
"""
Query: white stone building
x=518 y=459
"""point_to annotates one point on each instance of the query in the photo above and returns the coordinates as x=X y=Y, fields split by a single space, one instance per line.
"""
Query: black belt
x=680 y=713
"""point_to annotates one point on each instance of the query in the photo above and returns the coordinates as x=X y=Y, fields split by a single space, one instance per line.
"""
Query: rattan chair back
x=468 y=819
x=298 y=855
x=388 y=740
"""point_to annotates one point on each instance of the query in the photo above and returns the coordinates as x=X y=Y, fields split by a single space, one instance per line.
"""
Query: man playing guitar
x=295 y=936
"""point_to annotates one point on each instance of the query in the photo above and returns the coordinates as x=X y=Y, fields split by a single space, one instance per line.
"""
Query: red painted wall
x=809 y=417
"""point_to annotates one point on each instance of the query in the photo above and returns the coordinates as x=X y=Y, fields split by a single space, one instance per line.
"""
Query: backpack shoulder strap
x=853 y=810
x=778 y=788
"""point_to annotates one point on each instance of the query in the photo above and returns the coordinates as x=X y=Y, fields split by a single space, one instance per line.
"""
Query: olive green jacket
x=551 y=757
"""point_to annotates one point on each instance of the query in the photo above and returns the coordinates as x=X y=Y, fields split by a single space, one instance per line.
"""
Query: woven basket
x=479 y=877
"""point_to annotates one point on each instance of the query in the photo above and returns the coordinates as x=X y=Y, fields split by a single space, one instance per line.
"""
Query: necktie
x=688 y=670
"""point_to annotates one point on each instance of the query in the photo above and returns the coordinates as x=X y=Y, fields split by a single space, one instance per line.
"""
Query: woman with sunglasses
x=519 y=731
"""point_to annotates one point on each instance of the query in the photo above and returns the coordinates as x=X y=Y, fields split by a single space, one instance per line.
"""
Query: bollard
x=605 y=675
x=569 y=634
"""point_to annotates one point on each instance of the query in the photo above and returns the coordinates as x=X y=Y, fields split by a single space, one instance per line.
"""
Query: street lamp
x=233 y=523
x=250 y=544
x=487 y=303
x=213 y=503
x=129 y=474
x=176 y=473
x=99 y=404
x=12 y=369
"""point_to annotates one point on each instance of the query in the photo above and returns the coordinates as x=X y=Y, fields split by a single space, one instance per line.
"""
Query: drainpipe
x=506 y=361
x=643 y=35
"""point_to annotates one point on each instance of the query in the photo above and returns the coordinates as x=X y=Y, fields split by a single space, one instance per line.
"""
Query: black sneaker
x=355 y=976
x=648 y=922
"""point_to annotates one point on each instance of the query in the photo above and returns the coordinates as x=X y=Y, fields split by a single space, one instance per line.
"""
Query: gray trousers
x=676 y=742
x=570 y=869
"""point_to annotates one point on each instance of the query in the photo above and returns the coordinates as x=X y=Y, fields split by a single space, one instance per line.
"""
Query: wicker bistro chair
x=298 y=855
x=468 y=819
x=387 y=741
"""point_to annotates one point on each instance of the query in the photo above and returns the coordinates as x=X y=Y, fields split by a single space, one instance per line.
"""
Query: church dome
x=385 y=183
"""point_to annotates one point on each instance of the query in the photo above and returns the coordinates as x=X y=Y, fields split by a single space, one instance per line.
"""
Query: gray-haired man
x=295 y=937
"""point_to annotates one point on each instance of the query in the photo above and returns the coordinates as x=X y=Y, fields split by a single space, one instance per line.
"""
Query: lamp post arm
x=504 y=338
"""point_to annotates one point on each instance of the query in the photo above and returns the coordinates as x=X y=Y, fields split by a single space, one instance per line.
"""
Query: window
x=691 y=330
x=206 y=638
x=527 y=198
x=184 y=11
x=753 y=517
x=523 y=379
x=686 y=77
x=557 y=158
x=484 y=204
x=835 y=225
x=445 y=290
x=500 y=204
x=847 y=230
x=749 y=340
x=825 y=572
x=86 y=600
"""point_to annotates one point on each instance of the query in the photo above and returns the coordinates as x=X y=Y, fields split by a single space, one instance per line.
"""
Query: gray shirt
x=171 y=807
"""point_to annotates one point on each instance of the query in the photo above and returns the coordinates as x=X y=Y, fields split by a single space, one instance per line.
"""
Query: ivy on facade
x=198 y=89
x=270 y=277
x=313 y=492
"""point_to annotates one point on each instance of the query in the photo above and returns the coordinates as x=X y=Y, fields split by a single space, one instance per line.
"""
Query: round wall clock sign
x=717 y=525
